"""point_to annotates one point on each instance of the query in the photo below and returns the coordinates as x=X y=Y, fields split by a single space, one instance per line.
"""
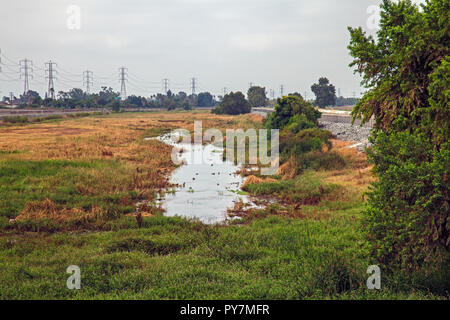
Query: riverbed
x=206 y=185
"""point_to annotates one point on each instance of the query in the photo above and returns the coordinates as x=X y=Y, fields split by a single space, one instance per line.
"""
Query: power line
x=13 y=63
x=9 y=79
x=70 y=73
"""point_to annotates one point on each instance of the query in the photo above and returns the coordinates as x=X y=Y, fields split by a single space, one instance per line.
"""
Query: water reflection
x=207 y=185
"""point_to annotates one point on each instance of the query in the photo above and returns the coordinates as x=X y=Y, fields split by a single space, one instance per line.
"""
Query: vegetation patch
x=147 y=246
x=304 y=189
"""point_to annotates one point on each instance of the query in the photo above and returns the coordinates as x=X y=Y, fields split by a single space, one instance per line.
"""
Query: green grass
x=171 y=258
x=304 y=189
x=21 y=120
x=269 y=257
x=67 y=183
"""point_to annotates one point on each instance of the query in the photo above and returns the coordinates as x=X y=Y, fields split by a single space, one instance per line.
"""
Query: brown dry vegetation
x=117 y=137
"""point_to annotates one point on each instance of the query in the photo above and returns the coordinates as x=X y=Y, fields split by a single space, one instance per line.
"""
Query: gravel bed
x=347 y=132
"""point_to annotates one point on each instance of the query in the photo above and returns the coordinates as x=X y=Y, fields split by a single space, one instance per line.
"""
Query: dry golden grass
x=47 y=209
x=357 y=177
x=118 y=137
x=255 y=180
x=112 y=137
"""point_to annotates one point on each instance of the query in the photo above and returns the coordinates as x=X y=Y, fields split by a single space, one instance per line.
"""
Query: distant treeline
x=108 y=98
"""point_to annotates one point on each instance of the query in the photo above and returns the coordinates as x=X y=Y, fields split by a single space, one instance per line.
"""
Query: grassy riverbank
x=71 y=184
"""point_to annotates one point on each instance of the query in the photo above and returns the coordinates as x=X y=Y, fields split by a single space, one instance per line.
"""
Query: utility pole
x=26 y=68
x=282 y=90
x=11 y=96
x=272 y=94
x=88 y=77
x=339 y=92
x=123 y=73
x=50 y=70
x=165 y=85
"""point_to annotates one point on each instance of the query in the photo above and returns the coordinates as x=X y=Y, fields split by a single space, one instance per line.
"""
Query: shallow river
x=207 y=185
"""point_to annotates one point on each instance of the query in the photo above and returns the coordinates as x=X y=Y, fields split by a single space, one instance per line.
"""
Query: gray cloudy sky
x=223 y=43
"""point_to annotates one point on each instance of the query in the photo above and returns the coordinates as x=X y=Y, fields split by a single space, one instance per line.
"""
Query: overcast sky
x=222 y=43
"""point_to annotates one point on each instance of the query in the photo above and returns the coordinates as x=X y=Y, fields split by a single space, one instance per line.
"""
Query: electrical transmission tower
x=123 y=73
x=281 y=90
x=88 y=77
x=165 y=85
x=26 y=70
x=50 y=76
x=193 y=85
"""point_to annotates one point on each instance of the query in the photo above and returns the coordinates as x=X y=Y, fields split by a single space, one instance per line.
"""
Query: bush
x=407 y=219
x=302 y=142
x=318 y=160
x=406 y=73
x=299 y=122
x=289 y=107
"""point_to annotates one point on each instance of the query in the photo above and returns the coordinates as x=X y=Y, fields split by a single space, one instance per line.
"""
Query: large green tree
x=205 y=99
x=257 y=96
x=233 y=104
x=325 y=93
x=406 y=71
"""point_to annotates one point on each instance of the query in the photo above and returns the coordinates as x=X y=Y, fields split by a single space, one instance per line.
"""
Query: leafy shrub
x=406 y=73
x=318 y=160
x=302 y=142
x=408 y=215
x=299 y=122
x=289 y=107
